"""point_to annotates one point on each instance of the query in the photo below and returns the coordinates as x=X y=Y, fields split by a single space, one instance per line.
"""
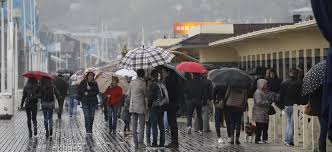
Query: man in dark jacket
x=174 y=94
x=195 y=96
x=62 y=86
x=290 y=94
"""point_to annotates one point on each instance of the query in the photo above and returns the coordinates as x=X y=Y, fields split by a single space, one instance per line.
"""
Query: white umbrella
x=126 y=72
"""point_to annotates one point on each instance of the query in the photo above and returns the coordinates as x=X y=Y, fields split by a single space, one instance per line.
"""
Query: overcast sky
x=159 y=15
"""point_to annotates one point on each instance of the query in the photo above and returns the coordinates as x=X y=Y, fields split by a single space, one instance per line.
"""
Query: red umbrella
x=191 y=67
x=37 y=75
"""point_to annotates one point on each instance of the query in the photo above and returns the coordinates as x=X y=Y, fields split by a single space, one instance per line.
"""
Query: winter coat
x=274 y=85
x=47 y=97
x=30 y=96
x=91 y=96
x=208 y=89
x=61 y=85
x=236 y=99
x=261 y=104
x=195 y=92
x=156 y=90
x=136 y=93
x=116 y=96
x=72 y=91
x=290 y=91
x=175 y=88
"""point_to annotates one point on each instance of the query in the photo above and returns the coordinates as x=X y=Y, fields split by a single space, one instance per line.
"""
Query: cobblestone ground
x=69 y=136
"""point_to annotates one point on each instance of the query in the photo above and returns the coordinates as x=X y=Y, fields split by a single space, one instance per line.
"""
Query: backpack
x=48 y=95
x=29 y=100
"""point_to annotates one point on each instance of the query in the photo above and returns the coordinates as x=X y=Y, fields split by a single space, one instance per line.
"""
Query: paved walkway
x=69 y=136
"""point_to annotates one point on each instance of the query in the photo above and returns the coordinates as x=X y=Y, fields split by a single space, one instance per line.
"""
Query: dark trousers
x=191 y=108
x=219 y=119
x=48 y=118
x=104 y=105
x=89 y=115
x=234 y=122
x=32 y=116
x=323 y=134
x=261 y=129
x=60 y=103
x=157 y=118
x=171 y=114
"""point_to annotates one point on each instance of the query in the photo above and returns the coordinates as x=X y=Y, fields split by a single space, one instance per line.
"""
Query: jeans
x=261 y=128
x=112 y=117
x=148 y=129
x=165 y=120
x=48 y=118
x=171 y=115
x=32 y=116
x=219 y=119
x=89 y=115
x=234 y=122
x=157 y=121
x=72 y=106
x=191 y=109
x=135 y=119
x=290 y=125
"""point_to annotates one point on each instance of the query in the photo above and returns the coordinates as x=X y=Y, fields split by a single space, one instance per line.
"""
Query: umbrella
x=38 y=75
x=233 y=77
x=145 y=58
x=213 y=73
x=314 y=78
x=173 y=68
x=65 y=71
x=126 y=72
x=191 y=67
x=105 y=78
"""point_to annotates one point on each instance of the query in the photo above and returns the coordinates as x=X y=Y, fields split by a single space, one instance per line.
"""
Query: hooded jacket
x=261 y=104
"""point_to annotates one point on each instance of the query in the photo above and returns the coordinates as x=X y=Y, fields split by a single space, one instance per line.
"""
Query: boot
x=237 y=141
x=51 y=132
x=231 y=140
x=30 y=133
x=47 y=133
x=35 y=131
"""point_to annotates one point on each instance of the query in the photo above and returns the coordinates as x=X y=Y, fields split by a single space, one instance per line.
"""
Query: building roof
x=204 y=39
x=262 y=32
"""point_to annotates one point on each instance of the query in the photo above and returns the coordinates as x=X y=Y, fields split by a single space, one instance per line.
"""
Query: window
x=281 y=67
x=294 y=59
x=263 y=60
x=248 y=62
x=274 y=59
x=268 y=61
x=287 y=61
x=309 y=59
x=325 y=53
x=258 y=60
x=245 y=62
x=253 y=61
x=317 y=56
x=301 y=59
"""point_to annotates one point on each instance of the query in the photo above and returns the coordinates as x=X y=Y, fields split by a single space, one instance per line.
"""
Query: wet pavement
x=69 y=136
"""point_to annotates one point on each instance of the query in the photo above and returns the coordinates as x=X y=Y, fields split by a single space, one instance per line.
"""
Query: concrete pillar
x=307 y=131
x=315 y=130
x=277 y=132
x=298 y=125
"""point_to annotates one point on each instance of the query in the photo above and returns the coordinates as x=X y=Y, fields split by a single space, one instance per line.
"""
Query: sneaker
x=221 y=141
x=189 y=130
x=237 y=142
x=172 y=145
x=200 y=132
x=231 y=141
x=289 y=145
x=266 y=142
x=259 y=142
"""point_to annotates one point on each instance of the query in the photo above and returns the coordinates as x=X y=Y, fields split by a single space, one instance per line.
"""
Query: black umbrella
x=65 y=71
x=314 y=78
x=173 y=68
x=233 y=77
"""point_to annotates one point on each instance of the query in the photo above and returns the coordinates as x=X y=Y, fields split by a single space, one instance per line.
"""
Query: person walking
x=236 y=103
x=195 y=97
x=290 y=94
x=260 y=111
x=47 y=93
x=219 y=105
x=157 y=95
x=87 y=94
x=136 y=93
x=62 y=86
x=114 y=96
x=175 y=93
x=72 y=92
x=29 y=102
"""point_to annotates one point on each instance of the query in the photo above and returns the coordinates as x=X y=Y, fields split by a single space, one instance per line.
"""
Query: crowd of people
x=151 y=104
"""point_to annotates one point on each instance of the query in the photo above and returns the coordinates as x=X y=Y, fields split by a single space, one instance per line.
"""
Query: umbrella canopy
x=105 y=78
x=145 y=58
x=38 y=75
x=191 y=67
x=233 y=77
x=173 y=68
x=314 y=78
x=126 y=72
x=65 y=71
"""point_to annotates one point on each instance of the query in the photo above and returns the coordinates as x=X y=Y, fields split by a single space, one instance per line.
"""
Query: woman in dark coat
x=47 y=93
x=29 y=101
x=87 y=94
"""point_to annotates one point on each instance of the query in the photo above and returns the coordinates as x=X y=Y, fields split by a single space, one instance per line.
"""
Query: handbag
x=310 y=110
x=162 y=99
x=271 y=111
